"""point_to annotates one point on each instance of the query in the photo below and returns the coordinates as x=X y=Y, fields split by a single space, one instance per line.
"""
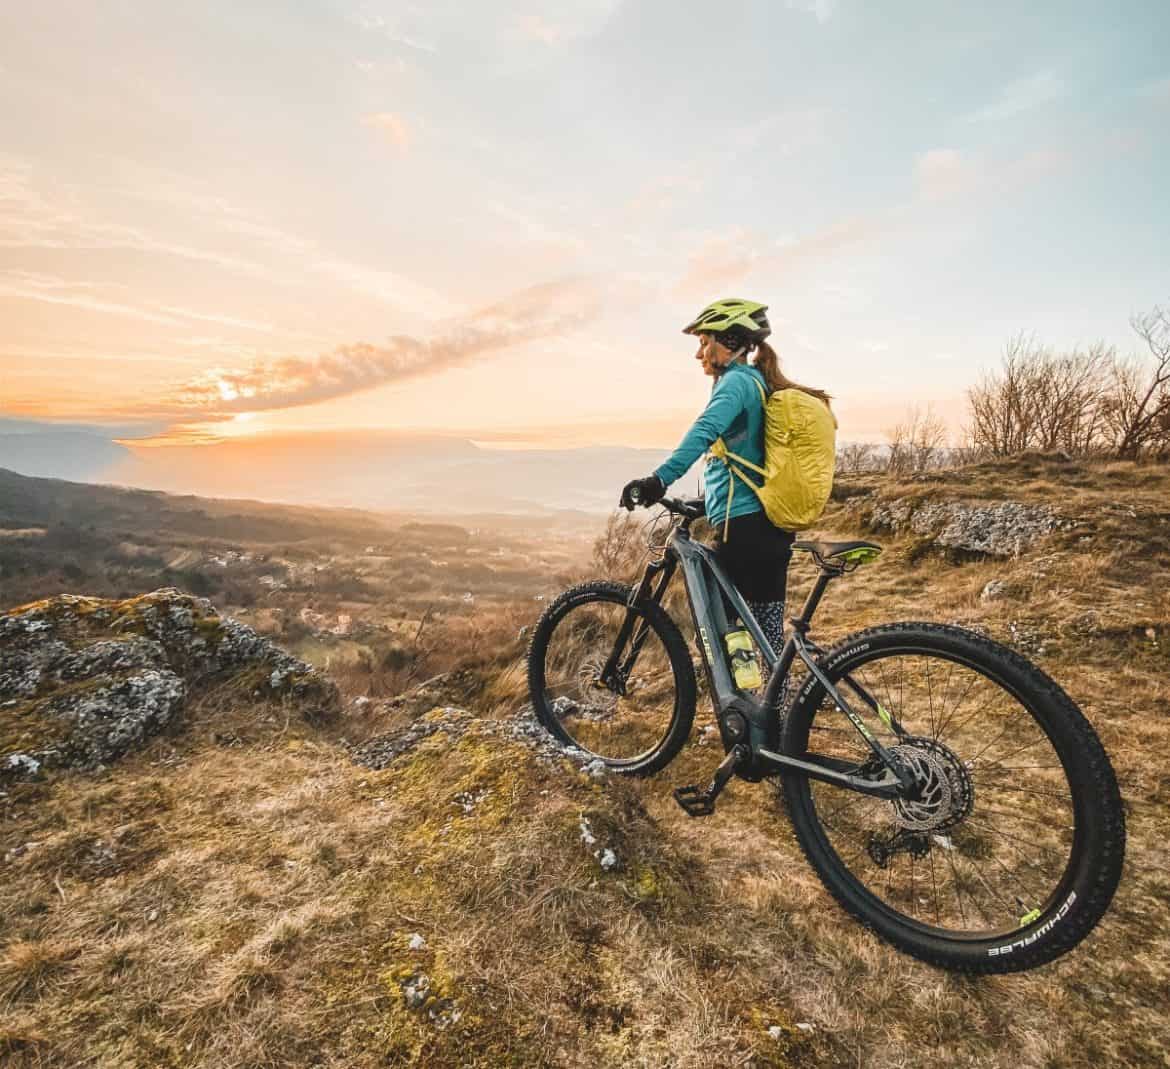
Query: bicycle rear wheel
x=1014 y=847
x=635 y=719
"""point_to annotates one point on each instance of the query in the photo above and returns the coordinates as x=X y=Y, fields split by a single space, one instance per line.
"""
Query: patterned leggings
x=756 y=554
x=770 y=616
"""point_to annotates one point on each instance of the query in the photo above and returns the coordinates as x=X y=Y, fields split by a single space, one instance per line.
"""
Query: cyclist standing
x=754 y=552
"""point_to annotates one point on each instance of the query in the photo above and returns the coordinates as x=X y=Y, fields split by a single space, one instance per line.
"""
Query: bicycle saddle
x=854 y=552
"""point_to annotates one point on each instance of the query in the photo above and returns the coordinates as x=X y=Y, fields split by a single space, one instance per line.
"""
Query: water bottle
x=745 y=663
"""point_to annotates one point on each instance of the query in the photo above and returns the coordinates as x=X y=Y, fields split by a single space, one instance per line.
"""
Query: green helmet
x=721 y=316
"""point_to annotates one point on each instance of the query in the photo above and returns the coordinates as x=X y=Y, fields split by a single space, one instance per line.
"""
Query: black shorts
x=755 y=555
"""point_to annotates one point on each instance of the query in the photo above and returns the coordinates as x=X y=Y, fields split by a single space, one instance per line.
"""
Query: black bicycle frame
x=714 y=602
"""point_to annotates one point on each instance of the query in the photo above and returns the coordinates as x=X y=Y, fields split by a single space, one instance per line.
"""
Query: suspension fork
x=650 y=588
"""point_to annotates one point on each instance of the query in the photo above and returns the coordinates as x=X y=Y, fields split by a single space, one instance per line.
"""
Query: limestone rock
x=85 y=680
x=995 y=590
x=999 y=529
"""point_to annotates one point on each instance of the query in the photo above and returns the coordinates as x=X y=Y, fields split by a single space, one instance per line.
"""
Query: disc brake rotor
x=945 y=794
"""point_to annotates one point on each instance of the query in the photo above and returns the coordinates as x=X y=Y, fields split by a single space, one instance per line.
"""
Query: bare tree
x=1138 y=412
x=1000 y=404
x=1041 y=399
x=917 y=443
x=856 y=457
x=1067 y=390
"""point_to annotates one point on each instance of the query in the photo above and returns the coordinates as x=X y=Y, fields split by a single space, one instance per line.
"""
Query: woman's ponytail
x=767 y=363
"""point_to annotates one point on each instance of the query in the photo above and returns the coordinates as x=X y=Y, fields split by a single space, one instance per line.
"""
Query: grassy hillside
x=243 y=893
x=385 y=598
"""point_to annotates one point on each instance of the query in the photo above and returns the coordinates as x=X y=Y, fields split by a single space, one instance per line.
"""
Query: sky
x=493 y=219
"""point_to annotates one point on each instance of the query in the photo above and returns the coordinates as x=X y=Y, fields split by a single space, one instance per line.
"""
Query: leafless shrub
x=917 y=443
x=1083 y=402
x=961 y=455
x=856 y=457
x=1137 y=412
x=619 y=549
x=1041 y=399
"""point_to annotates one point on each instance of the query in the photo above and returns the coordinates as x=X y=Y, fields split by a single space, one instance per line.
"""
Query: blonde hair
x=767 y=363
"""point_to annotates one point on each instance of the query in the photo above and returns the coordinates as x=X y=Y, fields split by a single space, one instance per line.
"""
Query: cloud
x=727 y=258
x=789 y=132
x=48 y=289
x=941 y=173
x=721 y=261
x=511 y=25
x=1158 y=90
x=393 y=31
x=36 y=218
x=526 y=225
x=822 y=9
x=385 y=286
x=563 y=21
x=538 y=28
x=38 y=214
x=539 y=312
x=1023 y=95
x=392 y=127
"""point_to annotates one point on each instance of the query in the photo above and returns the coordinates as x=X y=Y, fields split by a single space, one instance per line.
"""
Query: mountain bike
x=947 y=792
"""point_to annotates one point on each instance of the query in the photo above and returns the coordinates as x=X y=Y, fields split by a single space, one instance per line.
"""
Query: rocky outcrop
x=999 y=529
x=455 y=723
x=85 y=680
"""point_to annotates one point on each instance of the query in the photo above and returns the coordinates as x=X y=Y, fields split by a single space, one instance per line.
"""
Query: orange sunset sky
x=492 y=219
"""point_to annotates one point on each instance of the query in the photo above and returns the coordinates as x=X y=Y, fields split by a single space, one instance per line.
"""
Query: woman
x=754 y=553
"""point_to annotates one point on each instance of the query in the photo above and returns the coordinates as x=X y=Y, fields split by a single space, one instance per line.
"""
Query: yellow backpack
x=800 y=454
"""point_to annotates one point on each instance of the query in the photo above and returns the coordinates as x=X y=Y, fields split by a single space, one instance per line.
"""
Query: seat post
x=801 y=623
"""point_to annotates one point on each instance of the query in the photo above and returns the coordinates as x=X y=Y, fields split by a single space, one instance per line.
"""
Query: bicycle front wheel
x=1011 y=848
x=613 y=680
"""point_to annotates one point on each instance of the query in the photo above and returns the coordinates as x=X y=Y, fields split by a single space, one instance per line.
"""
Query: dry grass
x=244 y=896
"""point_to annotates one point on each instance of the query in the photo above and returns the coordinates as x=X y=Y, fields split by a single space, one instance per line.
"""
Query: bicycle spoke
x=996 y=857
x=1023 y=790
x=955 y=881
x=930 y=698
x=934 y=883
x=618 y=716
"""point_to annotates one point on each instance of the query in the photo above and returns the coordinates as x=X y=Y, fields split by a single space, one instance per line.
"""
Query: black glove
x=644 y=492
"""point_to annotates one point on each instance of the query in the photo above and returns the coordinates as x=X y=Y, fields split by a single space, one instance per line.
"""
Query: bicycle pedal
x=695 y=801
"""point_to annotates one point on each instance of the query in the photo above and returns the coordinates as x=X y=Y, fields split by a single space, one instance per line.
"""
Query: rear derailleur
x=881 y=848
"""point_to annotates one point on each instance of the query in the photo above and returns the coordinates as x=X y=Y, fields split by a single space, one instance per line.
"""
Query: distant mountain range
x=63 y=454
x=370 y=470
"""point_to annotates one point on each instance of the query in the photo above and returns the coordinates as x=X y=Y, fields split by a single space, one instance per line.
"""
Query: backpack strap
x=719 y=451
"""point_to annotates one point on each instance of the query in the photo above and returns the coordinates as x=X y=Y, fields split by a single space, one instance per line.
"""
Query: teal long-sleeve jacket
x=735 y=413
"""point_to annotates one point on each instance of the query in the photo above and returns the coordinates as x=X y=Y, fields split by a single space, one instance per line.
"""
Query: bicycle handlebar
x=690 y=510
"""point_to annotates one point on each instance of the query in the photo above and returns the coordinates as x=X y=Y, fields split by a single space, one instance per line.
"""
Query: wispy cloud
x=393 y=30
x=386 y=286
x=725 y=259
x=1025 y=94
x=720 y=261
x=529 y=226
x=1158 y=90
x=539 y=312
x=822 y=9
x=564 y=21
x=392 y=127
x=36 y=213
x=538 y=28
x=940 y=173
x=35 y=216
x=49 y=289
